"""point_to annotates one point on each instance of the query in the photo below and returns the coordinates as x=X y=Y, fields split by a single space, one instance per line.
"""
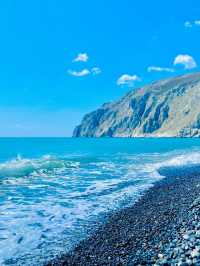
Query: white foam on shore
x=48 y=201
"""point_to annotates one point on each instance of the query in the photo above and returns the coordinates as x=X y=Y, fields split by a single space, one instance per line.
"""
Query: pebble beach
x=161 y=228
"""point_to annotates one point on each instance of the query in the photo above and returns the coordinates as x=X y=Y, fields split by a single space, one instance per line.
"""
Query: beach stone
x=154 y=231
x=186 y=237
x=160 y=256
x=197 y=234
x=195 y=253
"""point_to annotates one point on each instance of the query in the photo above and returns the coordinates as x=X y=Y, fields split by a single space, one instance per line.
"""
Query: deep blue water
x=53 y=191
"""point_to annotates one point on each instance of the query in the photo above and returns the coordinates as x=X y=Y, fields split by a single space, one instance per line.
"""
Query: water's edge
x=132 y=235
x=56 y=192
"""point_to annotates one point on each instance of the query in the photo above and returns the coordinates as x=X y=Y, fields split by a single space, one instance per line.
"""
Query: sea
x=54 y=192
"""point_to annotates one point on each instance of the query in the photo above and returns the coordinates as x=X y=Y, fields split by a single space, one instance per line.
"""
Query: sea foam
x=49 y=203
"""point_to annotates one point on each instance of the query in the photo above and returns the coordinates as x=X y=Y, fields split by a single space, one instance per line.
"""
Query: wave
x=59 y=196
x=24 y=166
x=20 y=167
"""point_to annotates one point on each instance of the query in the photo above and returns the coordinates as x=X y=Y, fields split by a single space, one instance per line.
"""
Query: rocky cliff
x=167 y=108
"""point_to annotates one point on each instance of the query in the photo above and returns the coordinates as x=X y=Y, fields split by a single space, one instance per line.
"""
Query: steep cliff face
x=167 y=108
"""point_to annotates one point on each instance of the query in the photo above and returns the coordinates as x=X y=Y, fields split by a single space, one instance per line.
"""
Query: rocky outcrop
x=167 y=108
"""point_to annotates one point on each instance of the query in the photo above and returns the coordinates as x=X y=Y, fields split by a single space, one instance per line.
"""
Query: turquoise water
x=55 y=191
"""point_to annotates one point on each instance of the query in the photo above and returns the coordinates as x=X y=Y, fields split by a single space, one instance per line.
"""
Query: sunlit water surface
x=54 y=192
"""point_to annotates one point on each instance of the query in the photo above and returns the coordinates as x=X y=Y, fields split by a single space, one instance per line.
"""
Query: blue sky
x=61 y=59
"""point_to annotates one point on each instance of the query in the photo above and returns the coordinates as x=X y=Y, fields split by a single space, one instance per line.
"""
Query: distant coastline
x=166 y=108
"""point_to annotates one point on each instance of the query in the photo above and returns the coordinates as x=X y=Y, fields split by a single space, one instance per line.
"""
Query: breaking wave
x=47 y=204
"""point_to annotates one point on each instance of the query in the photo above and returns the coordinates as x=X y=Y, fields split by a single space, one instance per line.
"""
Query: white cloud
x=190 y=24
x=82 y=57
x=81 y=73
x=159 y=69
x=96 y=71
x=127 y=79
x=186 y=60
x=197 y=22
x=85 y=72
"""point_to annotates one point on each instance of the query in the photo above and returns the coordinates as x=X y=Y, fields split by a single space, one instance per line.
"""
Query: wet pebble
x=184 y=249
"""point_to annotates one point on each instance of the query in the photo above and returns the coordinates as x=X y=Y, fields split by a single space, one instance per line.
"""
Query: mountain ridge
x=165 y=108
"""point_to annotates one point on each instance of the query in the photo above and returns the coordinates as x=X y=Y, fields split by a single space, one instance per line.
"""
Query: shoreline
x=138 y=234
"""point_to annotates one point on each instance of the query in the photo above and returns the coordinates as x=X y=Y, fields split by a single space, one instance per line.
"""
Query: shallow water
x=53 y=192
